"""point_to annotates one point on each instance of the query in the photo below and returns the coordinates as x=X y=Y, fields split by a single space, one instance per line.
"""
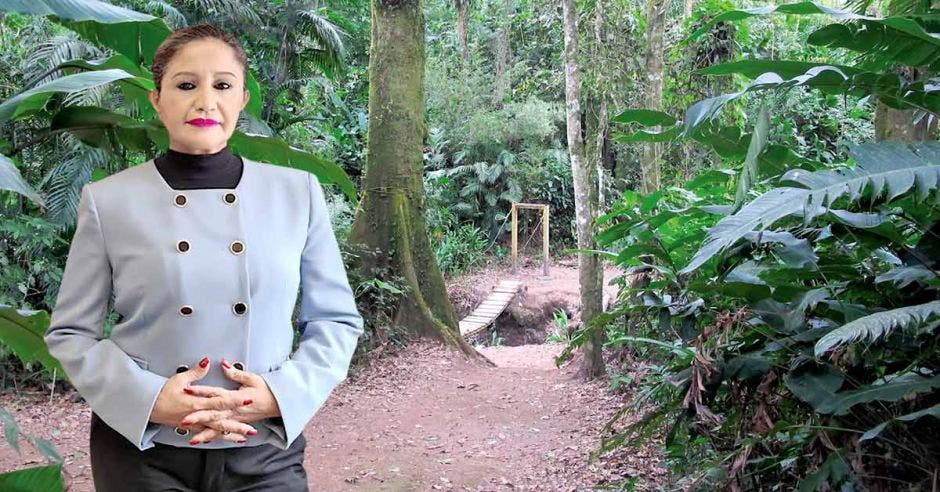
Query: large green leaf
x=645 y=117
x=134 y=35
x=38 y=478
x=872 y=433
x=813 y=384
x=749 y=169
x=886 y=168
x=881 y=44
x=891 y=389
x=877 y=325
x=784 y=68
x=23 y=330
x=899 y=25
x=277 y=151
x=11 y=179
x=33 y=100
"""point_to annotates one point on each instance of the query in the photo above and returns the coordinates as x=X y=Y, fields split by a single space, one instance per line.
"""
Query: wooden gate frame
x=515 y=234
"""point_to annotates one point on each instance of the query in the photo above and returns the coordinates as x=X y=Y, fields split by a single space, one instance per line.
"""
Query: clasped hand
x=211 y=412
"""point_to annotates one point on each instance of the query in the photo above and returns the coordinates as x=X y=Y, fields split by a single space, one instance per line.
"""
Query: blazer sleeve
x=114 y=385
x=330 y=326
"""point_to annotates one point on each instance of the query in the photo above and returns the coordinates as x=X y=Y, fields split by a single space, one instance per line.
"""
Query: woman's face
x=204 y=81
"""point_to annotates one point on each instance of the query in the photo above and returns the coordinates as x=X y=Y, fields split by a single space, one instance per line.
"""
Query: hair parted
x=180 y=37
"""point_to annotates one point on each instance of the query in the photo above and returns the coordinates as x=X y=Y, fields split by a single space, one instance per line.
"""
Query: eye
x=226 y=84
x=180 y=86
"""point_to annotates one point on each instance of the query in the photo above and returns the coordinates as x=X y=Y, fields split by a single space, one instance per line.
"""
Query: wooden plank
x=486 y=314
x=488 y=309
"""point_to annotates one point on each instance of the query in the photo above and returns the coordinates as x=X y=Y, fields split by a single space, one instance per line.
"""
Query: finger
x=204 y=417
x=205 y=436
x=243 y=377
x=198 y=370
x=207 y=391
x=234 y=437
x=229 y=426
x=224 y=402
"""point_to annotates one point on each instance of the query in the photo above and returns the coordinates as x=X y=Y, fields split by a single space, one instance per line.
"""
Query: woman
x=204 y=251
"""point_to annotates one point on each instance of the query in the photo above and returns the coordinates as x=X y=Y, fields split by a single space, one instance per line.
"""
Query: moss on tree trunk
x=391 y=210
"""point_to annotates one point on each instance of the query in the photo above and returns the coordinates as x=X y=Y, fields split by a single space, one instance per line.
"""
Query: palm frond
x=877 y=325
x=170 y=14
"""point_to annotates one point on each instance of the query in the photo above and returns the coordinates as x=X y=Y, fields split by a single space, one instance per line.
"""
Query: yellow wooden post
x=545 y=241
x=515 y=237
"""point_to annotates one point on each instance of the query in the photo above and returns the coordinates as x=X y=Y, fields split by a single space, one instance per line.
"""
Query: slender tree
x=585 y=201
x=463 y=19
x=652 y=152
x=503 y=54
x=391 y=213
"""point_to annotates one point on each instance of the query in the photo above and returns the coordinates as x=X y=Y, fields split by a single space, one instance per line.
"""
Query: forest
x=763 y=178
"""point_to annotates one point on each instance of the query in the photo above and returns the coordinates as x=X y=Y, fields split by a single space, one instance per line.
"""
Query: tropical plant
x=792 y=312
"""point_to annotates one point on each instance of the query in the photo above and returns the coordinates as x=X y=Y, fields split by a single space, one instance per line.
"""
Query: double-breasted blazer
x=204 y=272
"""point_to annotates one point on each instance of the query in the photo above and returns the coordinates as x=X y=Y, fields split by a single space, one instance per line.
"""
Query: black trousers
x=117 y=465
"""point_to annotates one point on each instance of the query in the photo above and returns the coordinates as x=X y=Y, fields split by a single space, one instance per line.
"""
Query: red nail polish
x=225 y=364
x=205 y=442
x=242 y=441
x=193 y=442
x=185 y=423
x=246 y=402
x=188 y=391
x=252 y=432
x=204 y=362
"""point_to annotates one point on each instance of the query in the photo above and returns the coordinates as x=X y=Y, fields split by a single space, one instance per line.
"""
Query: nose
x=206 y=99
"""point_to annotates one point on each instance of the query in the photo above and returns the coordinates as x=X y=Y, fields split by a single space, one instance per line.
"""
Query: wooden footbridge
x=487 y=312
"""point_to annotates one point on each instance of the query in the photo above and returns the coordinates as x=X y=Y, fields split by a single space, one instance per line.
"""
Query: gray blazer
x=205 y=272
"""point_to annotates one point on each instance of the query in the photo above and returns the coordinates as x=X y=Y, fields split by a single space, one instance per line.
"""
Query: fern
x=877 y=325
x=886 y=168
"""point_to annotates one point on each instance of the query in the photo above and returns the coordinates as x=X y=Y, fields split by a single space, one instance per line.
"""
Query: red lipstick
x=202 y=122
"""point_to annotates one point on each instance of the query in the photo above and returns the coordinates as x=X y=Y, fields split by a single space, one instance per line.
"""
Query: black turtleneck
x=184 y=171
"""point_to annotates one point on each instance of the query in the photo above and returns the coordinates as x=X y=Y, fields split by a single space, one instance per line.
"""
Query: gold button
x=181 y=432
x=186 y=310
x=182 y=368
x=239 y=308
x=180 y=200
x=229 y=198
x=182 y=246
x=238 y=365
x=237 y=247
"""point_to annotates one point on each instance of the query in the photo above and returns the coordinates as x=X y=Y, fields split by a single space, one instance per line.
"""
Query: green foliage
x=560 y=333
x=45 y=478
x=791 y=313
x=460 y=249
x=378 y=291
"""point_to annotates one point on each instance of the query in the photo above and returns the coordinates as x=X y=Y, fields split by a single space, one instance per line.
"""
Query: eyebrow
x=191 y=73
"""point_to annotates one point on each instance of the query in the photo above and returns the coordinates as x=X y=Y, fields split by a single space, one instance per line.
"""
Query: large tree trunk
x=390 y=215
x=463 y=18
x=652 y=152
x=502 y=55
x=585 y=202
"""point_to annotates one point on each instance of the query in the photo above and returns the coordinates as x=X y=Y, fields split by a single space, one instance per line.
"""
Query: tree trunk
x=390 y=216
x=652 y=152
x=585 y=202
x=899 y=124
x=603 y=125
x=502 y=55
x=463 y=18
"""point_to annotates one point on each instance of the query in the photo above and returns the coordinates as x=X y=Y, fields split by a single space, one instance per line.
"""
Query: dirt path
x=422 y=419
